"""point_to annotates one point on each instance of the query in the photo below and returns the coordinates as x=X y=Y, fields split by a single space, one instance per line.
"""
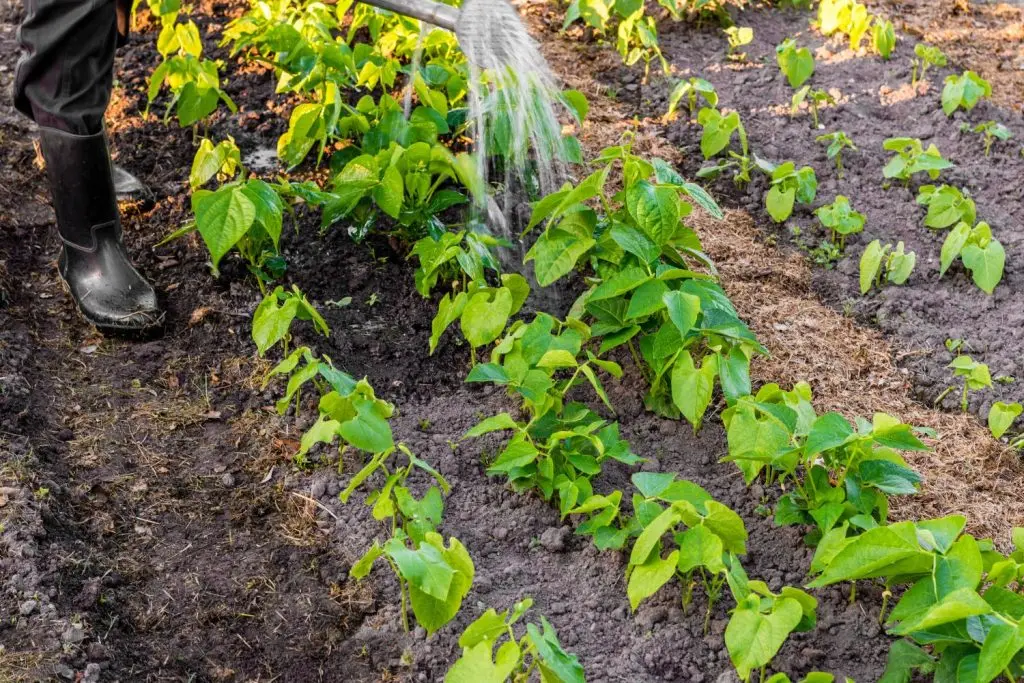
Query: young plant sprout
x=976 y=377
x=690 y=89
x=883 y=37
x=738 y=36
x=815 y=98
x=992 y=130
x=841 y=220
x=927 y=55
x=878 y=261
x=947 y=206
x=837 y=142
x=964 y=92
x=797 y=63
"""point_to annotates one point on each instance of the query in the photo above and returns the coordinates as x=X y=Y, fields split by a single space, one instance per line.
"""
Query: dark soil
x=875 y=102
x=155 y=528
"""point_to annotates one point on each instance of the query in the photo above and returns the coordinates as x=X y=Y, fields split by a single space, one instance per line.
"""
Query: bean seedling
x=815 y=99
x=975 y=375
x=982 y=254
x=1001 y=417
x=964 y=92
x=537 y=649
x=738 y=36
x=992 y=130
x=883 y=37
x=797 y=63
x=837 y=142
x=789 y=186
x=877 y=261
x=912 y=158
x=947 y=206
x=690 y=89
x=927 y=55
x=840 y=219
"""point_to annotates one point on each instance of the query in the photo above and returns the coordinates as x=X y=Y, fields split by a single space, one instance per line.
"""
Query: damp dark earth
x=190 y=506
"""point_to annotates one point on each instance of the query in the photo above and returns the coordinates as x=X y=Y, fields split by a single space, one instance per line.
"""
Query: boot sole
x=152 y=329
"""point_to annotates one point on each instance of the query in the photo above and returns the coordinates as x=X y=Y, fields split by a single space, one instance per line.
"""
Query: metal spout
x=429 y=11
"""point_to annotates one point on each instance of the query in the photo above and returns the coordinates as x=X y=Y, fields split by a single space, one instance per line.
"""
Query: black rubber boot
x=128 y=188
x=110 y=293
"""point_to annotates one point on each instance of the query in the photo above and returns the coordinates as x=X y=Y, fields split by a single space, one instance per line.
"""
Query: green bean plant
x=652 y=289
x=738 y=36
x=947 y=206
x=815 y=99
x=879 y=262
x=912 y=158
x=926 y=56
x=538 y=649
x=841 y=220
x=981 y=253
x=796 y=63
x=789 y=185
x=964 y=92
x=960 y=598
x=433 y=577
x=691 y=89
x=837 y=142
x=975 y=376
x=991 y=131
x=194 y=82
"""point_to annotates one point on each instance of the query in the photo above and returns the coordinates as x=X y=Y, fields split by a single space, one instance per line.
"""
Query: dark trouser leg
x=64 y=82
x=66 y=75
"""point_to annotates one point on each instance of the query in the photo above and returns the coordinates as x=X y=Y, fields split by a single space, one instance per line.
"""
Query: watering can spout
x=429 y=11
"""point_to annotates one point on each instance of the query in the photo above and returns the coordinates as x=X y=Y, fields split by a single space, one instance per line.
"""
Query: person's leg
x=64 y=82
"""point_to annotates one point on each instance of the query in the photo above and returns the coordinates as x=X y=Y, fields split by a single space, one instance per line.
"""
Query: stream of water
x=514 y=98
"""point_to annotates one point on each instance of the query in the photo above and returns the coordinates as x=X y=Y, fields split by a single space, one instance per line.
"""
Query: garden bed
x=156 y=528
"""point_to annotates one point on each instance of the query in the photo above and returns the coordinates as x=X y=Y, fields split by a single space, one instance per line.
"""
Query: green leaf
x=692 y=387
x=700 y=547
x=1001 y=416
x=960 y=604
x=485 y=316
x=779 y=202
x=953 y=245
x=1001 y=645
x=829 y=431
x=734 y=374
x=986 y=264
x=753 y=638
x=369 y=429
x=646 y=579
x=424 y=568
x=431 y=612
x=647 y=300
x=488 y=372
x=683 y=310
x=623 y=281
x=650 y=537
x=727 y=525
x=876 y=552
x=557 y=250
x=655 y=209
x=904 y=659
x=889 y=477
x=494 y=423
x=223 y=217
x=556 y=665
x=870 y=265
x=448 y=311
x=478 y=665
x=388 y=194
x=705 y=200
x=361 y=568
x=635 y=242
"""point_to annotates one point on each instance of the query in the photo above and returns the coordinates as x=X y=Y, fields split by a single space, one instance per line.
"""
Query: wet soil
x=875 y=101
x=155 y=528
